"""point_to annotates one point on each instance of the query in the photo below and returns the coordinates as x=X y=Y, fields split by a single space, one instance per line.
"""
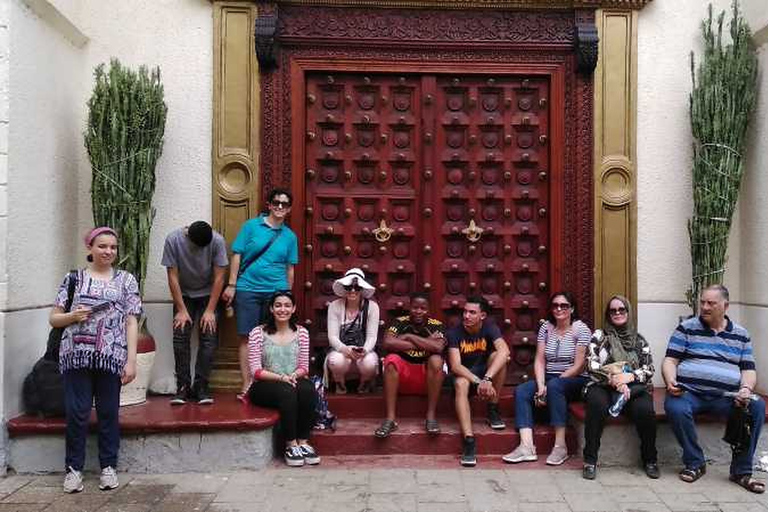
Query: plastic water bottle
x=617 y=406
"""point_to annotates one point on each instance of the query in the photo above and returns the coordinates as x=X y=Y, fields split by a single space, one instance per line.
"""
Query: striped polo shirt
x=710 y=362
x=560 y=351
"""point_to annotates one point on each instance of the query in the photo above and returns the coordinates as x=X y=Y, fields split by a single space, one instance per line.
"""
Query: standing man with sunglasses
x=264 y=255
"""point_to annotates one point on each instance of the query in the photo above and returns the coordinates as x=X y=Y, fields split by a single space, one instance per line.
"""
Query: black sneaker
x=469 y=457
x=293 y=456
x=652 y=470
x=494 y=417
x=204 y=397
x=310 y=455
x=181 y=396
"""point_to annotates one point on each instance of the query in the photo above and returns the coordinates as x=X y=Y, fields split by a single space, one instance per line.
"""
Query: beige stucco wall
x=668 y=31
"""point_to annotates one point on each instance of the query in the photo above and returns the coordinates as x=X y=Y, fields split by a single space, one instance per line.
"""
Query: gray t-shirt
x=195 y=263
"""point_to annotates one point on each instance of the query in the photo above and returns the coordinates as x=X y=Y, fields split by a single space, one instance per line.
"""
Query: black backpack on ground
x=43 y=390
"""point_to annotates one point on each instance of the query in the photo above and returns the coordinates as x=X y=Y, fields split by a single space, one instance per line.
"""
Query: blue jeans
x=680 y=412
x=80 y=387
x=205 y=350
x=560 y=391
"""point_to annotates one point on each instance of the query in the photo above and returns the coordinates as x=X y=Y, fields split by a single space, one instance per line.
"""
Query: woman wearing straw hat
x=353 y=324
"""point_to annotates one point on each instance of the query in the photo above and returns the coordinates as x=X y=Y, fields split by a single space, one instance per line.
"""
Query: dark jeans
x=296 y=405
x=639 y=409
x=205 y=350
x=681 y=410
x=560 y=391
x=80 y=387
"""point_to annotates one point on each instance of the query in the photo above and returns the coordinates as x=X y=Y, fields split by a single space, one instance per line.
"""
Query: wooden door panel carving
x=431 y=182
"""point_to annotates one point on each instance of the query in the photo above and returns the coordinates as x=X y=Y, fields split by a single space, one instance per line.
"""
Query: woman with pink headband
x=98 y=353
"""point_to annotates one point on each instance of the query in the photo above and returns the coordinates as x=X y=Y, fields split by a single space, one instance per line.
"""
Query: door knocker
x=383 y=233
x=473 y=231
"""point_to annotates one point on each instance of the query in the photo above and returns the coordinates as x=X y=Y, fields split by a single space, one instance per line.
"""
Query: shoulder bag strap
x=245 y=264
x=71 y=285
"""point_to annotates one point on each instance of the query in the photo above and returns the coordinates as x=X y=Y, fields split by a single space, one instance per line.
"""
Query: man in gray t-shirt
x=196 y=258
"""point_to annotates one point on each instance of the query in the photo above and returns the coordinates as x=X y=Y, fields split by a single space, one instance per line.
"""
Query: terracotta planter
x=135 y=392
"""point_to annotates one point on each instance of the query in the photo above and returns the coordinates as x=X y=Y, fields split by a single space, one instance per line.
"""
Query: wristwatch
x=488 y=378
x=476 y=380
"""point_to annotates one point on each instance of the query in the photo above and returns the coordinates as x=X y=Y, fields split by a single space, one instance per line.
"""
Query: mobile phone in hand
x=358 y=349
x=101 y=306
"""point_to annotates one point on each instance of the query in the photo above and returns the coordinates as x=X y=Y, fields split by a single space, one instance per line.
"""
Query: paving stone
x=632 y=494
x=740 y=507
x=543 y=507
x=388 y=481
x=590 y=502
x=333 y=476
x=185 y=482
x=438 y=476
x=125 y=507
x=13 y=483
x=643 y=507
x=339 y=493
x=186 y=502
x=242 y=492
x=491 y=503
x=442 y=507
x=688 y=502
x=34 y=494
x=391 y=503
x=89 y=501
x=728 y=492
x=22 y=507
x=283 y=503
x=290 y=483
x=441 y=493
x=141 y=494
x=623 y=476
x=235 y=507
x=343 y=506
x=488 y=482
x=539 y=493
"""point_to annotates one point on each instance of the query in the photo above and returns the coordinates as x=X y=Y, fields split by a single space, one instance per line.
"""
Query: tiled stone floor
x=336 y=489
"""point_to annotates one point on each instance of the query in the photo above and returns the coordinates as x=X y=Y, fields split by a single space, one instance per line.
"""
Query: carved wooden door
x=492 y=215
x=429 y=182
x=362 y=188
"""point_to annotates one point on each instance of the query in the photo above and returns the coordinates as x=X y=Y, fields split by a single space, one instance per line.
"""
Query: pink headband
x=96 y=232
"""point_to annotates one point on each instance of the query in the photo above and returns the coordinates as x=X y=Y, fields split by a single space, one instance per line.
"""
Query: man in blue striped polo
x=709 y=368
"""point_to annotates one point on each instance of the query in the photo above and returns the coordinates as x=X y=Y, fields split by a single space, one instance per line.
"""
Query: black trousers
x=205 y=350
x=296 y=405
x=640 y=411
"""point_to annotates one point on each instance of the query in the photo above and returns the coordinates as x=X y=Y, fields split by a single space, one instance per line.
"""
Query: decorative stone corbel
x=586 y=47
x=266 y=44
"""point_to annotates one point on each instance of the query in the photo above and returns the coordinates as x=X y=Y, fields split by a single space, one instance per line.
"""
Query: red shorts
x=413 y=376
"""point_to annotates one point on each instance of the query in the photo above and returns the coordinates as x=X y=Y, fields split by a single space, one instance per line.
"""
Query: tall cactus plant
x=721 y=102
x=124 y=139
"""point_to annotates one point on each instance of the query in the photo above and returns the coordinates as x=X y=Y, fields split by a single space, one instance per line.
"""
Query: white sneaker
x=73 y=481
x=521 y=454
x=108 y=479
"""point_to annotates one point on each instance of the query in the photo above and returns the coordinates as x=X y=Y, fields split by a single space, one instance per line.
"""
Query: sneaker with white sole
x=108 y=479
x=73 y=481
x=521 y=454
x=293 y=456
x=558 y=456
x=310 y=455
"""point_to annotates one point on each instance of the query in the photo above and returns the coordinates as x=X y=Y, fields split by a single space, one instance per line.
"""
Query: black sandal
x=690 y=475
x=385 y=429
x=749 y=483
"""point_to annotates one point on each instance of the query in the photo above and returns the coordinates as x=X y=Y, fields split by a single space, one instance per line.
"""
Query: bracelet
x=488 y=378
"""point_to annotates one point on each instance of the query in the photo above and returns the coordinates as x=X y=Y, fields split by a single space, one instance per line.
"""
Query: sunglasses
x=353 y=287
x=560 y=306
x=617 y=311
x=281 y=204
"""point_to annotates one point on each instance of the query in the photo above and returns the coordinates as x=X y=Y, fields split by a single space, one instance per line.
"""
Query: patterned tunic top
x=100 y=342
x=599 y=354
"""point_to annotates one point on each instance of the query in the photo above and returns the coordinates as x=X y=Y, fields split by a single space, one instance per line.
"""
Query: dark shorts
x=250 y=310
x=478 y=369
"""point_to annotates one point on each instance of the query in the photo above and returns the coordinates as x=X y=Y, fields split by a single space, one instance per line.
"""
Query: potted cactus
x=124 y=139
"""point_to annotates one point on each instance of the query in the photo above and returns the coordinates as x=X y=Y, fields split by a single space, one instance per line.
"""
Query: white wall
x=668 y=31
x=54 y=46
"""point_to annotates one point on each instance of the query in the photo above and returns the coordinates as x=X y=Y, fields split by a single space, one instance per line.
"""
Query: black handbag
x=738 y=429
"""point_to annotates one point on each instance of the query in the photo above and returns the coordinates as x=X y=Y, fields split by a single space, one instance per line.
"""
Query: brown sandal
x=749 y=483
x=690 y=475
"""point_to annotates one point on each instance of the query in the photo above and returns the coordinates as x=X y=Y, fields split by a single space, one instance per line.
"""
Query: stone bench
x=620 y=445
x=157 y=438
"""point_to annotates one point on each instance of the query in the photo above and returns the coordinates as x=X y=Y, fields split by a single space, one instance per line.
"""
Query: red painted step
x=355 y=437
x=372 y=405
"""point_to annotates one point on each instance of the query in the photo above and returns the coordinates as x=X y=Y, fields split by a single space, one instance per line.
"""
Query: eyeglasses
x=560 y=306
x=617 y=311
x=353 y=287
x=281 y=204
